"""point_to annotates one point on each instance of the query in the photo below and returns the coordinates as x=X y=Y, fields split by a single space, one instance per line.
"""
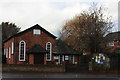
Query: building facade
x=113 y=45
x=35 y=45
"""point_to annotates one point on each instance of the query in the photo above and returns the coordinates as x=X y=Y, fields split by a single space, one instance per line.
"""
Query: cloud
x=50 y=14
x=111 y=7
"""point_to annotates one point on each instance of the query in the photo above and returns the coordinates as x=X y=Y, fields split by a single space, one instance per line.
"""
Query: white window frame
x=20 y=50
x=63 y=58
x=59 y=59
x=9 y=52
x=12 y=48
x=50 y=51
x=73 y=59
x=36 y=31
x=6 y=52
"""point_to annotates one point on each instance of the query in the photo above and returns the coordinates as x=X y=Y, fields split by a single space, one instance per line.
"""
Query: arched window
x=22 y=50
x=49 y=49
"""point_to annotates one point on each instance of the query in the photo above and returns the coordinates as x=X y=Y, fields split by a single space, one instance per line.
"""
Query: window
x=72 y=59
x=22 y=47
x=118 y=46
x=9 y=52
x=49 y=49
x=66 y=57
x=12 y=48
x=36 y=31
x=55 y=57
x=6 y=52
x=63 y=57
x=60 y=59
x=111 y=44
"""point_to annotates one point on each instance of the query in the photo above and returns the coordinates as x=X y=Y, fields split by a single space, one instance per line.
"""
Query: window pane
x=66 y=57
x=56 y=57
x=48 y=48
x=111 y=44
x=6 y=52
x=36 y=31
x=48 y=56
x=12 y=48
x=22 y=50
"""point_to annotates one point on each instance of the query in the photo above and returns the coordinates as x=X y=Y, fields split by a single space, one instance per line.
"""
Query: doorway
x=38 y=58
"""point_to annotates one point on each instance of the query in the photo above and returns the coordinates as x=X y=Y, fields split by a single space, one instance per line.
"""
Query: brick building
x=35 y=45
x=113 y=45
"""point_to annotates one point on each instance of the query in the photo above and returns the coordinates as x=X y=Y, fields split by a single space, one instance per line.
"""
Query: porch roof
x=64 y=49
x=37 y=49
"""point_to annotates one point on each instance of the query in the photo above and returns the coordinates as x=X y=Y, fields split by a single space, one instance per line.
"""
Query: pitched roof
x=113 y=36
x=36 y=49
x=62 y=48
x=35 y=26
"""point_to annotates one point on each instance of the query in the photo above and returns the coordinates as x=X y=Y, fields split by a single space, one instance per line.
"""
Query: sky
x=51 y=14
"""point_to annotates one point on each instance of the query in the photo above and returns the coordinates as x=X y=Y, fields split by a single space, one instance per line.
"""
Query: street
x=58 y=76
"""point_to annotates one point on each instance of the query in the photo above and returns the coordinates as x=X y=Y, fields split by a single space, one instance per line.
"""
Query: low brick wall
x=33 y=68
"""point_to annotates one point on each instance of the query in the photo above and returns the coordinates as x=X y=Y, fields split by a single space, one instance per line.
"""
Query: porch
x=37 y=55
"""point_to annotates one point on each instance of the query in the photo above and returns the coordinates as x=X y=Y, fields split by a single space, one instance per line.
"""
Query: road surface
x=58 y=76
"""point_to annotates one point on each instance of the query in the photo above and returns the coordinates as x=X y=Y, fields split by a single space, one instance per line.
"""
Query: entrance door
x=38 y=58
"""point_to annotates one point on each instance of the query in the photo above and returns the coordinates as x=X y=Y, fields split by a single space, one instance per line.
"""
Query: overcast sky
x=50 y=14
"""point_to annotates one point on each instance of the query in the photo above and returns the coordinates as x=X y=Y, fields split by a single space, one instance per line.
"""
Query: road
x=58 y=76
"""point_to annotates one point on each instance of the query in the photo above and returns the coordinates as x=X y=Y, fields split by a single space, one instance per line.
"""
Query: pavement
x=57 y=76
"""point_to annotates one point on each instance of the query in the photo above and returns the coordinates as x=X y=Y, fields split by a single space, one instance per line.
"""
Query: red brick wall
x=9 y=45
x=112 y=48
x=44 y=59
x=31 y=59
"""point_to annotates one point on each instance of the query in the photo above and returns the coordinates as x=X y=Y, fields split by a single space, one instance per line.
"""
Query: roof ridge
x=29 y=29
